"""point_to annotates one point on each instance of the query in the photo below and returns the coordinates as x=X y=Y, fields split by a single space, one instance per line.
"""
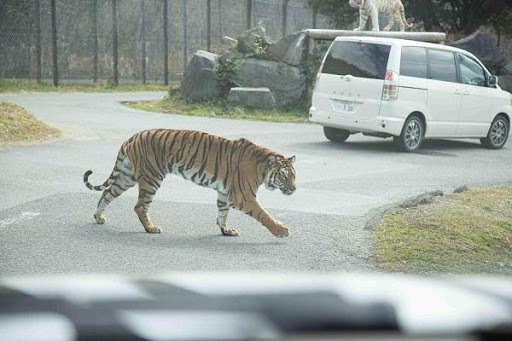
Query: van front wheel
x=336 y=135
x=497 y=135
x=412 y=135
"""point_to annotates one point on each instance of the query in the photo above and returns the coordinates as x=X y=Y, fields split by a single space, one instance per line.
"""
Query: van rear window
x=358 y=59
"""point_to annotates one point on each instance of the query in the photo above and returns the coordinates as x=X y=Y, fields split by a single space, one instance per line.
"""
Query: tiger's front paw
x=280 y=231
x=229 y=231
x=153 y=229
x=100 y=218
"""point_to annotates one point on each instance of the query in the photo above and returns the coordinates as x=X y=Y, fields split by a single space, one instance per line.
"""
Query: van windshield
x=358 y=59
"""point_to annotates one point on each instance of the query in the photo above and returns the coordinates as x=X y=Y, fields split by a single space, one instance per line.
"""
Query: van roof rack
x=321 y=34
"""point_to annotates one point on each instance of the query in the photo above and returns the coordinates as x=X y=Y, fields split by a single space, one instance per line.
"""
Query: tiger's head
x=281 y=174
x=356 y=3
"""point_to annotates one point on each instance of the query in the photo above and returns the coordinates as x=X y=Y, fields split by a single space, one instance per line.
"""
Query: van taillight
x=390 y=89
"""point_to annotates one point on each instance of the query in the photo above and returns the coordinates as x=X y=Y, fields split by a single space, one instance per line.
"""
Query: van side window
x=366 y=60
x=470 y=71
x=413 y=62
x=442 y=65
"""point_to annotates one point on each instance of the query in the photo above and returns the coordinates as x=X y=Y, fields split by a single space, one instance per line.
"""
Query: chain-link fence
x=91 y=45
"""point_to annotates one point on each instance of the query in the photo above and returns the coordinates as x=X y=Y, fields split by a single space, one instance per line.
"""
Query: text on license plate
x=343 y=105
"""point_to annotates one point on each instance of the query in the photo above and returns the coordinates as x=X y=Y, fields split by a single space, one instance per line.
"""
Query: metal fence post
x=248 y=14
x=143 y=40
x=166 y=42
x=220 y=20
x=114 y=41
x=185 y=47
x=208 y=24
x=95 y=40
x=54 y=45
x=285 y=16
x=38 y=40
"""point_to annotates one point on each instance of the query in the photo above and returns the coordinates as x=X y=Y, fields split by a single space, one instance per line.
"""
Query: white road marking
x=16 y=219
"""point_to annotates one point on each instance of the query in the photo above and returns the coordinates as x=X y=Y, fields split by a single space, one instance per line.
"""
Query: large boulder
x=199 y=81
x=505 y=82
x=484 y=47
x=290 y=50
x=253 y=41
x=286 y=82
x=252 y=97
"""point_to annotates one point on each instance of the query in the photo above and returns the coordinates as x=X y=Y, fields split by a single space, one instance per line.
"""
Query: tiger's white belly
x=203 y=180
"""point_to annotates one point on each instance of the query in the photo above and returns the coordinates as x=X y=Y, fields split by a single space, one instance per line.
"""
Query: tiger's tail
x=402 y=16
x=120 y=157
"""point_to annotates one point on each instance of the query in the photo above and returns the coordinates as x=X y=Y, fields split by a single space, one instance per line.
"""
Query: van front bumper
x=379 y=124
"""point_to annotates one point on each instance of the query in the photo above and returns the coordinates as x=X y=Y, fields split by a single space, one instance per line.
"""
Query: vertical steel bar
x=143 y=40
x=54 y=44
x=220 y=20
x=166 y=42
x=95 y=40
x=38 y=40
x=248 y=14
x=114 y=42
x=285 y=17
x=185 y=42
x=208 y=24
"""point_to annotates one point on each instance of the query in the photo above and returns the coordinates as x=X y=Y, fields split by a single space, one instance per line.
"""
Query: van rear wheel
x=411 y=138
x=336 y=135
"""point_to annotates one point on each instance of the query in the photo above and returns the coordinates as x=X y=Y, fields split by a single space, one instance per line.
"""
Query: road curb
x=375 y=216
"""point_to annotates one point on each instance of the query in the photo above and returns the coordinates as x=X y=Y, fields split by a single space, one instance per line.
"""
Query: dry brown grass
x=17 y=126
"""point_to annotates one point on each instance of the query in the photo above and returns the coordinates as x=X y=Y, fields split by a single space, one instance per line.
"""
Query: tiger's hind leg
x=123 y=181
x=147 y=190
x=222 y=215
x=398 y=19
x=363 y=18
x=391 y=22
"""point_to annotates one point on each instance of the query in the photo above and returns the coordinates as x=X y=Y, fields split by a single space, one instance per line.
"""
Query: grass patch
x=23 y=85
x=468 y=232
x=18 y=126
x=174 y=104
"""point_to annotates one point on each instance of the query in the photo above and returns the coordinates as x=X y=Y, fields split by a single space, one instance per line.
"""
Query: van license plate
x=345 y=106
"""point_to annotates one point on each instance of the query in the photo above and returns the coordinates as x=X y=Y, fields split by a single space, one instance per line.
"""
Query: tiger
x=394 y=10
x=234 y=168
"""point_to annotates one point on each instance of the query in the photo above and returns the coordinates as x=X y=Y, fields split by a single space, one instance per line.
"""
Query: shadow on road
x=170 y=238
x=429 y=147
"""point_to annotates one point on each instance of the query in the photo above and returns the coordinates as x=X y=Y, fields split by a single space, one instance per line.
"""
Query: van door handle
x=457 y=92
x=465 y=93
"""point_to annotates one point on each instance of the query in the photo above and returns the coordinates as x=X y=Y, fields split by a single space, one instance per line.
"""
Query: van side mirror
x=492 y=81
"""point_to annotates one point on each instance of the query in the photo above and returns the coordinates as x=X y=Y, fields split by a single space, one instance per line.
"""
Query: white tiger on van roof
x=394 y=10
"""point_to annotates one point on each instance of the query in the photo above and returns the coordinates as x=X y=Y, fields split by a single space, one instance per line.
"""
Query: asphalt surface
x=46 y=213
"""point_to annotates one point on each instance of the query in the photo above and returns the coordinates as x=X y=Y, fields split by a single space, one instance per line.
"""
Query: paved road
x=46 y=223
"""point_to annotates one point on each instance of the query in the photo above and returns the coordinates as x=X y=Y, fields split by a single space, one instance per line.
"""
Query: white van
x=408 y=90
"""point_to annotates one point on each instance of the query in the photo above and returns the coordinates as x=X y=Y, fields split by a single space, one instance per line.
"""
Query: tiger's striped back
x=205 y=159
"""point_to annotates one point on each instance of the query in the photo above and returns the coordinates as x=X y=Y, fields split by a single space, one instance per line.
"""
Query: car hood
x=261 y=305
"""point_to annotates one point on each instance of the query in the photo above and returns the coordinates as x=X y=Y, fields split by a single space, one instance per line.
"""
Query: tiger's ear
x=291 y=159
x=271 y=159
